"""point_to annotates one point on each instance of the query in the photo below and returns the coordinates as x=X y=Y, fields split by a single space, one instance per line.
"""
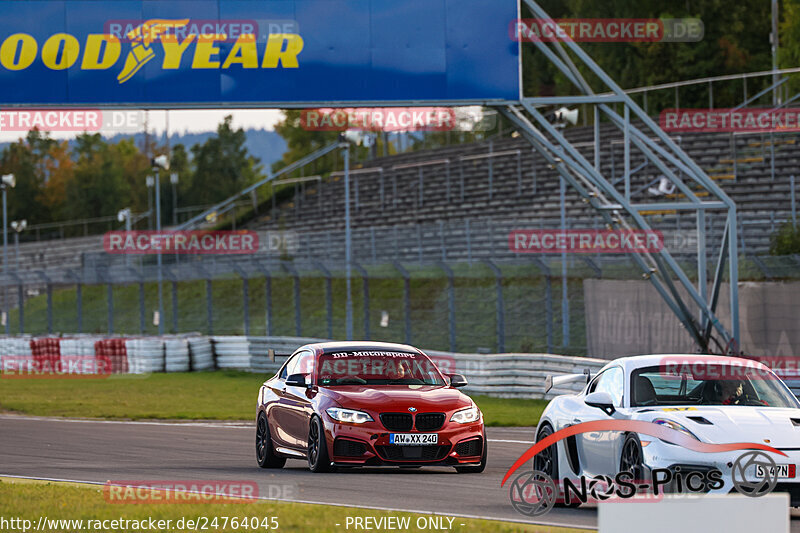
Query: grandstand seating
x=524 y=193
x=524 y=189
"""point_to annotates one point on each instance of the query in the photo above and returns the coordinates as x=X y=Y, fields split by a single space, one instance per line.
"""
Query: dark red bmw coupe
x=367 y=404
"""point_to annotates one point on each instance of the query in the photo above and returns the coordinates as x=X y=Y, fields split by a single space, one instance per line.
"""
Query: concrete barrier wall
x=629 y=317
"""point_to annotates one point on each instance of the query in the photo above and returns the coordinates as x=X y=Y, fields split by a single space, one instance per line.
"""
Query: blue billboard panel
x=256 y=52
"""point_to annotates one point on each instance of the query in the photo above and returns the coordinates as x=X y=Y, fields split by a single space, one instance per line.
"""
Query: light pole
x=150 y=182
x=173 y=179
x=18 y=226
x=7 y=180
x=124 y=215
x=159 y=163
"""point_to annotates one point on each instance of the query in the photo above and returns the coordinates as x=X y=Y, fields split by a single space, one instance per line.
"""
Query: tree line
x=59 y=180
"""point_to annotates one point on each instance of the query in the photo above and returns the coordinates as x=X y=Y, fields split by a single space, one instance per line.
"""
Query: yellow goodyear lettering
x=62 y=51
x=173 y=51
x=278 y=53
x=18 y=51
x=95 y=57
x=243 y=52
x=206 y=48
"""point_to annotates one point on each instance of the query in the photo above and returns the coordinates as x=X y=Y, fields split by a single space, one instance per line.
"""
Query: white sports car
x=714 y=399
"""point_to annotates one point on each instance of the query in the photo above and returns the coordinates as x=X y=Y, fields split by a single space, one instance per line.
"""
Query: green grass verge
x=221 y=395
x=31 y=500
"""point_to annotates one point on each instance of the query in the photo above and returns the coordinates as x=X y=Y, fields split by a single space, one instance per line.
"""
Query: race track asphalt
x=99 y=451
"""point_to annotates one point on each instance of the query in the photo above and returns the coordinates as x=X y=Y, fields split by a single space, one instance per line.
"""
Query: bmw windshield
x=376 y=368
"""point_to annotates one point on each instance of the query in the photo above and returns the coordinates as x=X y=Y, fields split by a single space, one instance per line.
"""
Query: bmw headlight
x=674 y=425
x=465 y=416
x=350 y=416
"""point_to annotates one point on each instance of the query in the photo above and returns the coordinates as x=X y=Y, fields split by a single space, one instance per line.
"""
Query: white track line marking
x=220 y=424
x=370 y=507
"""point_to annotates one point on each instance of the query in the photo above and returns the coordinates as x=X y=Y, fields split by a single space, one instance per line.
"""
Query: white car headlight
x=350 y=416
x=465 y=416
x=674 y=425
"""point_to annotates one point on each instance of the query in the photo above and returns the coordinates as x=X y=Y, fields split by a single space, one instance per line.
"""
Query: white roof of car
x=639 y=361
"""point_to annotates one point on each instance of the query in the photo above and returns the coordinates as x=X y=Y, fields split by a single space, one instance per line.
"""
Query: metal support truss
x=693 y=305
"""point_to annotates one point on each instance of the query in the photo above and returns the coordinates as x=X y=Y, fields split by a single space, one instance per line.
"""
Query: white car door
x=599 y=450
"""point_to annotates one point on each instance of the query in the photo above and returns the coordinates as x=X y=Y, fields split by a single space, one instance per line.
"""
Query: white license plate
x=413 y=439
x=784 y=471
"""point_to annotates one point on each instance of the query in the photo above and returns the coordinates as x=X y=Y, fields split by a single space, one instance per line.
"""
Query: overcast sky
x=184 y=121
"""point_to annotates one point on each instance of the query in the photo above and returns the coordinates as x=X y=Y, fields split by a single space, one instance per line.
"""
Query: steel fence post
x=174 y=306
x=209 y=298
x=548 y=303
x=451 y=304
x=78 y=298
x=328 y=296
x=296 y=282
x=21 y=305
x=501 y=327
x=210 y=306
x=267 y=295
x=110 y=307
x=365 y=283
x=246 y=305
x=406 y=298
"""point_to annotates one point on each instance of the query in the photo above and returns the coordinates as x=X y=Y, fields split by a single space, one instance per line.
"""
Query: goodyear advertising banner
x=255 y=52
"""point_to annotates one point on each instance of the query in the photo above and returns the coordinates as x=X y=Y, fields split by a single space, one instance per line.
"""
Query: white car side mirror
x=601 y=400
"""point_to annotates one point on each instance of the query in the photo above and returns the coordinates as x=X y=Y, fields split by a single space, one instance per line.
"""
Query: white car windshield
x=653 y=386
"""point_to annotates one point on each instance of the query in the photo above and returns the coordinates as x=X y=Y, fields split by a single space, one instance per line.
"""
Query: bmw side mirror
x=296 y=380
x=457 y=380
x=601 y=400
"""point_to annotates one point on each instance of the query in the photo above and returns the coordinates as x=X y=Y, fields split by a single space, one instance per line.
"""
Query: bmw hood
x=777 y=427
x=399 y=398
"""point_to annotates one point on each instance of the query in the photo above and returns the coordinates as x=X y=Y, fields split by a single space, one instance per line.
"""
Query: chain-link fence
x=455 y=286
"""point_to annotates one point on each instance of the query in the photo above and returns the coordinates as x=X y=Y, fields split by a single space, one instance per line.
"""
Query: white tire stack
x=201 y=352
x=145 y=355
x=176 y=354
x=80 y=352
x=17 y=352
x=232 y=352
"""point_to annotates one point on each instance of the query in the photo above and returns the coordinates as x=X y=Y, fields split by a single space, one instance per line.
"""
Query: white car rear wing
x=550 y=381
